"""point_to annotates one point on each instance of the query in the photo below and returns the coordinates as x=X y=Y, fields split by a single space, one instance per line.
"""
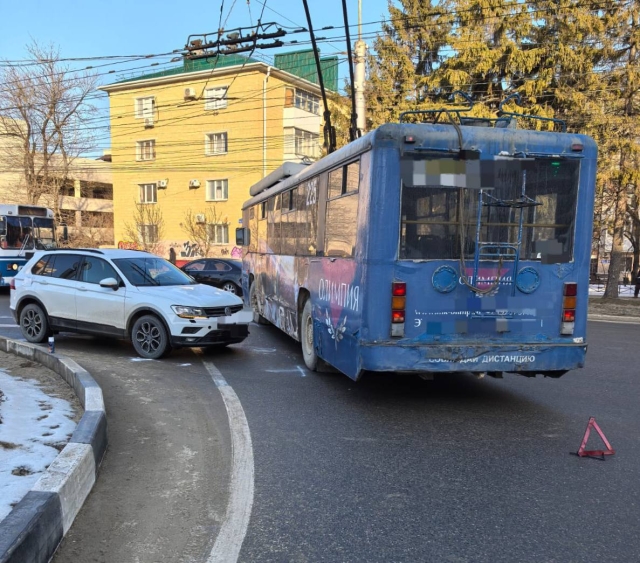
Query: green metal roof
x=210 y=63
x=303 y=64
x=298 y=63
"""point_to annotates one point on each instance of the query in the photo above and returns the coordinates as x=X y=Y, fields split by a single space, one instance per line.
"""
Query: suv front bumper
x=224 y=334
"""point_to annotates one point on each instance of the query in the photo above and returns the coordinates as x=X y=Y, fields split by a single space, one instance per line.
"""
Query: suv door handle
x=82 y=288
x=42 y=282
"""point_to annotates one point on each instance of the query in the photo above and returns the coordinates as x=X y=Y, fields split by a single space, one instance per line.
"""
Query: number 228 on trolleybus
x=425 y=247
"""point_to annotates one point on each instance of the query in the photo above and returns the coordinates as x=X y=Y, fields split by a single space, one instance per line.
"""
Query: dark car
x=219 y=272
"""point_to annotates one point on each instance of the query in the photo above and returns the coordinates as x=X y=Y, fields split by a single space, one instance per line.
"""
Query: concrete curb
x=613 y=319
x=36 y=525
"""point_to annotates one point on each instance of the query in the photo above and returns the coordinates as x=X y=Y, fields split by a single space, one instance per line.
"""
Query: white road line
x=10 y=326
x=234 y=528
x=297 y=370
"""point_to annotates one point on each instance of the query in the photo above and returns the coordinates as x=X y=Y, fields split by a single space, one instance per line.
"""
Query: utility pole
x=358 y=85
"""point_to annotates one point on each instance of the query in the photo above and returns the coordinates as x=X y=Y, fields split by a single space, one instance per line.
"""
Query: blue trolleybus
x=429 y=247
x=23 y=229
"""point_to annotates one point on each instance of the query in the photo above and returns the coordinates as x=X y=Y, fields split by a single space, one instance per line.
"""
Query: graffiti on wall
x=126 y=245
x=190 y=249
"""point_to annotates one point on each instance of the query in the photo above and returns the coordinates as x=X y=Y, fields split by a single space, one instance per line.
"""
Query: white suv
x=125 y=294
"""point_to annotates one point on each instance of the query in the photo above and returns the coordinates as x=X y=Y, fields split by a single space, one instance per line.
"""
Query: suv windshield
x=151 y=272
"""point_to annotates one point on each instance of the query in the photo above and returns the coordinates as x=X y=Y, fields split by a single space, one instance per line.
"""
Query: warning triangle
x=598 y=454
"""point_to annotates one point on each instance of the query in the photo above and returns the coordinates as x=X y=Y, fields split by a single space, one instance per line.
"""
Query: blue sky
x=120 y=28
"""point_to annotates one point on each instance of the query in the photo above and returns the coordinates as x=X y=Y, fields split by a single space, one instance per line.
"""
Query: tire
x=306 y=337
x=34 y=323
x=231 y=287
x=253 y=301
x=150 y=338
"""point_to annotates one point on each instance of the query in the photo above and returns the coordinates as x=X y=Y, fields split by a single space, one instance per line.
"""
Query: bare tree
x=44 y=111
x=200 y=228
x=147 y=228
x=96 y=229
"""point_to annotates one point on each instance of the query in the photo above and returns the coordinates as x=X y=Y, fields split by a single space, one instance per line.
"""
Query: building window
x=149 y=233
x=215 y=143
x=217 y=190
x=146 y=150
x=218 y=233
x=68 y=191
x=215 y=98
x=145 y=107
x=148 y=193
x=305 y=143
x=306 y=101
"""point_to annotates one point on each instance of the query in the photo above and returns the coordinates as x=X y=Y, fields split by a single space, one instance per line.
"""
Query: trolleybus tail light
x=409 y=139
x=398 y=306
x=577 y=147
x=569 y=299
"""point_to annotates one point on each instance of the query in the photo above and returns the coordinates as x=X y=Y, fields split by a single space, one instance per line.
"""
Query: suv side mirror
x=110 y=282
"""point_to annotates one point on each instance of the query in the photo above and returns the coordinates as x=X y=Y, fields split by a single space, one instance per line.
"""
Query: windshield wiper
x=144 y=274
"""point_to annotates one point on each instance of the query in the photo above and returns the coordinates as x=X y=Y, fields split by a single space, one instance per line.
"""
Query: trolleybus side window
x=342 y=211
x=307 y=217
x=288 y=223
x=253 y=229
x=263 y=243
x=273 y=224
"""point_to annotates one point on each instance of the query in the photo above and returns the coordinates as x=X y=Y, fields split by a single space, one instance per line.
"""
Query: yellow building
x=187 y=143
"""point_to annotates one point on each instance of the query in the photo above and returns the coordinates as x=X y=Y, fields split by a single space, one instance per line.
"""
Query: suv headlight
x=185 y=312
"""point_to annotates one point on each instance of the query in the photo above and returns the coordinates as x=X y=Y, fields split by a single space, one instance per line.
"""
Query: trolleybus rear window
x=439 y=220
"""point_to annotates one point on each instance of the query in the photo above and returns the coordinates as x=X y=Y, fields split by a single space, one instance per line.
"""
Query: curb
x=613 y=319
x=36 y=525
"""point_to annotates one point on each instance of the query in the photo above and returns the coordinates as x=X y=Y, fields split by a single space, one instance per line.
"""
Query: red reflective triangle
x=582 y=452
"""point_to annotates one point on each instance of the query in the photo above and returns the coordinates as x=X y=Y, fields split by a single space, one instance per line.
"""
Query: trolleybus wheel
x=306 y=337
x=253 y=301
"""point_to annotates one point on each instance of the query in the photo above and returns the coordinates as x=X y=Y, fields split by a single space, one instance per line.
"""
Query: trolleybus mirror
x=242 y=236
x=65 y=233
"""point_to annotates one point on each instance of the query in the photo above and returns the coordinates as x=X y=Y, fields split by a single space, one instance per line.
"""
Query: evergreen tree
x=410 y=47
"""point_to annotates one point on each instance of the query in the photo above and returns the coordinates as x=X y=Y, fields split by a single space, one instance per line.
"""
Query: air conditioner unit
x=148 y=122
x=189 y=94
x=162 y=184
x=200 y=218
x=194 y=183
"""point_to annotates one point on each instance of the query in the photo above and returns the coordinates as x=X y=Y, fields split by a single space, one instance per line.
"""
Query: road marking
x=297 y=369
x=9 y=326
x=234 y=528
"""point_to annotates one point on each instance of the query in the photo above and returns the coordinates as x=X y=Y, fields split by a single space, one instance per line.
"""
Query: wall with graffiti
x=186 y=250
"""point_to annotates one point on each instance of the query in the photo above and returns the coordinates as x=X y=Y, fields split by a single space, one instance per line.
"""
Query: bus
x=429 y=248
x=23 y=229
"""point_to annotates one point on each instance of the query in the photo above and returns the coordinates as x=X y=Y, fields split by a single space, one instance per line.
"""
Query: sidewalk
x=624 y=309
x=34 y=423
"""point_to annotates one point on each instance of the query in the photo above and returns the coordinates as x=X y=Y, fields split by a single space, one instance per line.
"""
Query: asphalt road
x=392 y=468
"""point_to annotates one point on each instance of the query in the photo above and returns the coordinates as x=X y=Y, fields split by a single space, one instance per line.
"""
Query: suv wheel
x=34 y=324
x=149 y=337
